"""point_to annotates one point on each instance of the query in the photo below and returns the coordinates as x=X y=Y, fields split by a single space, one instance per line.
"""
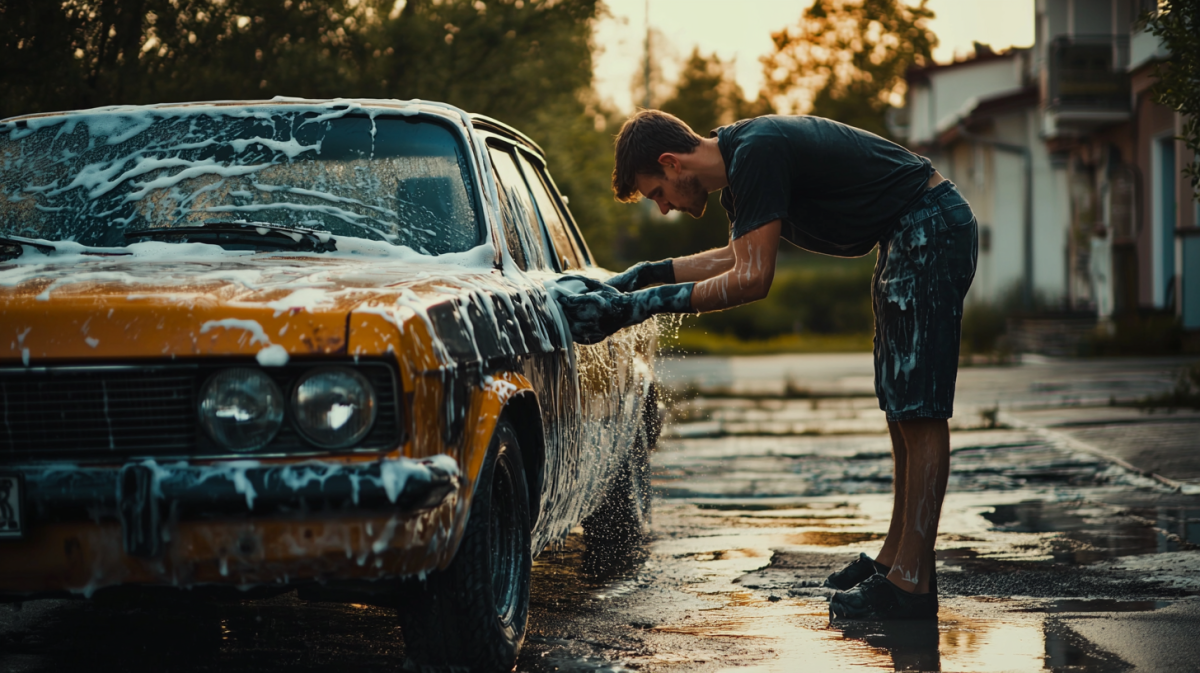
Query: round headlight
x=334 y=407
x=241 y=409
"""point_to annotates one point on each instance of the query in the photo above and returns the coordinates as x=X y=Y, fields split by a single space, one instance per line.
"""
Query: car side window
x=567 y=255
x=568 y=219
x=521 y=232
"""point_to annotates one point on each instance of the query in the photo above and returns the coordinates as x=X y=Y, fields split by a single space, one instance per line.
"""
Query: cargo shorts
x=924 y=268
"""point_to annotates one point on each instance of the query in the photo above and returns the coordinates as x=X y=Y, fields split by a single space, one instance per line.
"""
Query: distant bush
x=983 y=328
x=1185 y=395
x=694 y=341
x=822 y=297
x=1148 y=333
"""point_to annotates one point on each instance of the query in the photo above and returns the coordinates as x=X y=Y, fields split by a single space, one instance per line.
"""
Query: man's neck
x=709 y=166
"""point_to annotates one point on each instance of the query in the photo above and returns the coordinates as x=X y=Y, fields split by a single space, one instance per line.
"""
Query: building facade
x=1074 y=171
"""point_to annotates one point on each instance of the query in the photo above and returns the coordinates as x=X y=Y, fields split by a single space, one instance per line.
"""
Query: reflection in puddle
x=1101 y=605
x=953 y=643
x=1066 y=650
x=783 y=504
x=726 y=555
x=827 y=538
x=1094 y=532
x=956 y=642
x=569 y=575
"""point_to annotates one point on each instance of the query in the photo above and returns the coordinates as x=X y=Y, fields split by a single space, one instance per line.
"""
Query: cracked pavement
x=1068 y=542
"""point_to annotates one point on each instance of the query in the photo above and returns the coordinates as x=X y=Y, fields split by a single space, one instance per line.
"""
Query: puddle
x=1092 y=532
x=726 y=555
x=775 y=507
x=1103 y=605
x=748 y=526
x=568 y=575
x=825 y=538
x=957 y=642
x=1067 y=650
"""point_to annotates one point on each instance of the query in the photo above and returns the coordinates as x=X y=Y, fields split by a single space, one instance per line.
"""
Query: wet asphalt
x=771 y=475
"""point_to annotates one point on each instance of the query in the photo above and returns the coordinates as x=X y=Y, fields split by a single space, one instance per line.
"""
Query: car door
x=555 y=375
x=611 y=375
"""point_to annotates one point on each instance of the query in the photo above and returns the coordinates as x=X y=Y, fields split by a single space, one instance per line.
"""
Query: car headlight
x=241 y=409
x=334 y=407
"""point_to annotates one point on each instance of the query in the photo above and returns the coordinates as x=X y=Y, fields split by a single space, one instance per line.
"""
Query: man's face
x=674 y=190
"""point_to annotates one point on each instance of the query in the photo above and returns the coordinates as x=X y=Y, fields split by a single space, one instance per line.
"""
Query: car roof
x=481 y=122
x=378 y=104
x=485 y=123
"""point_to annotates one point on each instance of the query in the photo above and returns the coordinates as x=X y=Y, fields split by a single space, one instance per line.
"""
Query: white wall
x=933 y=106
x=1008 y=235
x=1051 y=217
x=1143 y=46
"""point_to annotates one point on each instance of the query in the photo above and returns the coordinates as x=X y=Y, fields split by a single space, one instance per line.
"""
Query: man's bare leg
x=927 y=444
x=891 y=544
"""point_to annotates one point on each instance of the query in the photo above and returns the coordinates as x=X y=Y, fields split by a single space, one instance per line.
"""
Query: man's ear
x=670 y=162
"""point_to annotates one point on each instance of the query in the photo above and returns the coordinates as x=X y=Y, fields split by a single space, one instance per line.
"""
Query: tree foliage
x=707 y=95
x=846 y=59
x=502 y=58
x=85 y=53
x=525 y=62
x=1177 y=24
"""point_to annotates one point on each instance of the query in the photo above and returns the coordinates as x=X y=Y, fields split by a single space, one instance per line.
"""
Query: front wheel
x=472 y=615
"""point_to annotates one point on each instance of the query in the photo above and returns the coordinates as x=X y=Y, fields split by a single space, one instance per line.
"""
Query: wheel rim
x=505 y=537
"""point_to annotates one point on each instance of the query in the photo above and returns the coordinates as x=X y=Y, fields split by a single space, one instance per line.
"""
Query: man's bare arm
x=703 y=265
x=749 y=277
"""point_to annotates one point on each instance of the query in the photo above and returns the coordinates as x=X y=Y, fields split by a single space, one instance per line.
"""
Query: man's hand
x=644 y=274
x=600 y=310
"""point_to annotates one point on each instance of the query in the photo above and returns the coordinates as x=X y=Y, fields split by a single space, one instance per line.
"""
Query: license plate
x=12 y=514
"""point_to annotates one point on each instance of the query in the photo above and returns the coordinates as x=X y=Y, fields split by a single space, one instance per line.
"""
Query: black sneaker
x=852 y=575
x=877 y=598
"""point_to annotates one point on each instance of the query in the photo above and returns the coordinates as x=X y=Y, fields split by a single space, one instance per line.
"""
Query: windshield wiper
x=19 y=243
x=241 y=235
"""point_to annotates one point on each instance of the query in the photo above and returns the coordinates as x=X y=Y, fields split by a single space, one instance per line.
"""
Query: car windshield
x=91 y=177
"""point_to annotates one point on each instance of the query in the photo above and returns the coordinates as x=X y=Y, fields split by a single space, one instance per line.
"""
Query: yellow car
x=308 y=345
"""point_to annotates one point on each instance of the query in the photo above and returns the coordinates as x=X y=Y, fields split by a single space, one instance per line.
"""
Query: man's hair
x=643 y=139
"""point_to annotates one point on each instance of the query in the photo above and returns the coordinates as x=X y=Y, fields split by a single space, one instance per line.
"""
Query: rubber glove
x=643 y=274
x=601 y=311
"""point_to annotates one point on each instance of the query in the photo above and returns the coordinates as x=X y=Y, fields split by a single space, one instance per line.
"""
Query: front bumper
x=233 y=522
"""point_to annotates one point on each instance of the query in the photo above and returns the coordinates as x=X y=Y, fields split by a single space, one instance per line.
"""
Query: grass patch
x=693 y=341
x=1186 y=394
x=1150 y=333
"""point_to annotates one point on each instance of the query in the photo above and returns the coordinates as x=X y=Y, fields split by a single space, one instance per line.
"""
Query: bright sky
x=742 y=31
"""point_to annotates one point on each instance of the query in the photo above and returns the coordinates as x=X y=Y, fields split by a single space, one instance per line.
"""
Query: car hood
x=272 y=306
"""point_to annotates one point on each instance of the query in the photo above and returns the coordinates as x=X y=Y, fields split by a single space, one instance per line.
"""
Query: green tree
x=525 y=62
x=84 y=53
x=504 y=59
x=707 y=95
x=1177 y=24
x=846 y=59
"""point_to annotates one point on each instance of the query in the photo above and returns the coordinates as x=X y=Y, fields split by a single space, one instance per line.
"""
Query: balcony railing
x=1087 y=73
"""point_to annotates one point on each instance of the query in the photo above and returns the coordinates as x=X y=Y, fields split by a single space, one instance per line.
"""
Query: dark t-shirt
x=837 y=189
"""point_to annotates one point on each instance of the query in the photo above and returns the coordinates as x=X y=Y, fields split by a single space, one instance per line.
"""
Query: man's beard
x=694 y=196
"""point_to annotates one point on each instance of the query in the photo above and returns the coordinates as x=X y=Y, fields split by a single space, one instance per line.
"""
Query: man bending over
x=835 y=190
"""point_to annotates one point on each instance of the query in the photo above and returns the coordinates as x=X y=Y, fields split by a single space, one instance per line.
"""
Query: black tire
x=622 y=522
x=472 y=615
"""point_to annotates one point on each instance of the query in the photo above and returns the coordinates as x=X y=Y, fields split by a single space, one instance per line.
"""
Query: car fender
x=488 y=403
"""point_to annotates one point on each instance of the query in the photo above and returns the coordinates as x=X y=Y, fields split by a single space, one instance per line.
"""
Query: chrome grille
x=125 y=411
